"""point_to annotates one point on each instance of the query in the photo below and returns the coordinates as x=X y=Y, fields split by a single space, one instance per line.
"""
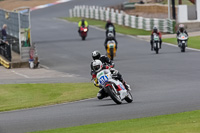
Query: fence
x=18 y=30
x=121 y=18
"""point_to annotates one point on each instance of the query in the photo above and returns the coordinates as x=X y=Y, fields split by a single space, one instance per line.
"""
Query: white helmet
x=97 y=65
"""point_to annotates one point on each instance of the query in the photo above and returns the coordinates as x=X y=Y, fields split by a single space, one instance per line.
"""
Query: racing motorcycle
x=113 y=87
x=111 y=49
x=83 y=32
x=182 y=41
x=110 y=30
x=156 y=43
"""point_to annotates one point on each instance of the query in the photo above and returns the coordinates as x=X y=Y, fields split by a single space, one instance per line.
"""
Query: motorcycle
x=156 y=43
x=113 y=87
x=83 y=32
x=182 y=41
x=110 y=30
x=111 y=49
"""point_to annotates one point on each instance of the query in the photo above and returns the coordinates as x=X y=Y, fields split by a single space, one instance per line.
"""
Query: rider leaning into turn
x=97 y=67
x=96 y=55
x=82 y=23
x=181 y=30
x=155 y=31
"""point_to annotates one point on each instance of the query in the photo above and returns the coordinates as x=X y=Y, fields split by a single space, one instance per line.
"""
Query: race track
x=162 y=84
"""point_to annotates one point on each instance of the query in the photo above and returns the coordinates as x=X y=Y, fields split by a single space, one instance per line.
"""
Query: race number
x=103 y=79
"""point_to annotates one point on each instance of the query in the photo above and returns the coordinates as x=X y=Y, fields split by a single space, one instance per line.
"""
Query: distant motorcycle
x=113 y=87
x=182 y=41
x=110 y=30
x=83 y=32
x=111 y=49
x=156 y=43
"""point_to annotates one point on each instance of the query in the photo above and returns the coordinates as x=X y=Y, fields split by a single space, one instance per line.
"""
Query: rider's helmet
x=108 y=21
x=110 y=35
x=96 y=55
x=181 y=27
x=97 y=65
x=155 y=29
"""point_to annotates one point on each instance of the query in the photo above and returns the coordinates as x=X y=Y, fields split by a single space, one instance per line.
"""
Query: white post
x=198 y=9
x=169 y=9
x=20 y=44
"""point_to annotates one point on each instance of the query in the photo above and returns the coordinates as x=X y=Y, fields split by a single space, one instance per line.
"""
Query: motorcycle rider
x=181 y=30
x=155 y=31
x=82 y=23
x=110 y=37
x=97 y=67
x=96 y=55
x=109 y=24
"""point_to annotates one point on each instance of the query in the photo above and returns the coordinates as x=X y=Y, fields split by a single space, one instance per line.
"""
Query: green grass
x=187 y=122
x=184 y=2
x=118 y=28
x=193 y=42
x=20 y=96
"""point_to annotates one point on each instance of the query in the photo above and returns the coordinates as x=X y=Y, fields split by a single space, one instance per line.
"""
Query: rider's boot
x=127 y=86
x=101 y=94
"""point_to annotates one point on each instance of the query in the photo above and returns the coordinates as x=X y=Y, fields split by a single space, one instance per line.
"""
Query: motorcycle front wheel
x=129 y=98
x=112 y=93
x=183 y=48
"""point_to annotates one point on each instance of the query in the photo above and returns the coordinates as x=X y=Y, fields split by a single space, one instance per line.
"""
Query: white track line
x=20 y=74
x=46 y=106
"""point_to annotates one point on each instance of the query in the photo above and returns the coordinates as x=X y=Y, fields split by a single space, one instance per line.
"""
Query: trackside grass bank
x=187 y=122
x=193 y=42
x=20 y=96
x=118 y=28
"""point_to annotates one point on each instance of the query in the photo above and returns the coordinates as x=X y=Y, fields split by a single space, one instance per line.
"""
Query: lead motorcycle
x=113 y=87
x=156 y=43
x=182 y=41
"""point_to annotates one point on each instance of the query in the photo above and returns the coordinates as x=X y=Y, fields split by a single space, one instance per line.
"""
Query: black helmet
x=96 y=55
x=155 y=29
x=181 y=27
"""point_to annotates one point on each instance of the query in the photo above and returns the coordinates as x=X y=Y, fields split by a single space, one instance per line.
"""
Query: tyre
x=115 y=97
x=83 y=37
x=157 y=49
x=111 y=54
x=183 y=48
x=129 y=98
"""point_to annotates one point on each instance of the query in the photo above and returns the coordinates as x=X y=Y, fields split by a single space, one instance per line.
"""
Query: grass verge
x=120 y=29
x=187 y=122
x=20 y=96
x=193 y=42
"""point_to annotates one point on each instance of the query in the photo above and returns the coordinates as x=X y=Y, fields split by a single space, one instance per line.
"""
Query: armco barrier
x=121 y=18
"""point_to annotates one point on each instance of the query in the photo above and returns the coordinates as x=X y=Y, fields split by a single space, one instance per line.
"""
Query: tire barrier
x=121 y=18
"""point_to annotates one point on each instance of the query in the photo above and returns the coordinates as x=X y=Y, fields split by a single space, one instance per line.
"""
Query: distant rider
x=181 y=30
x=82 y=23
x=97 y=67
x=107 y=27
x=155 y=31
x=110 y=37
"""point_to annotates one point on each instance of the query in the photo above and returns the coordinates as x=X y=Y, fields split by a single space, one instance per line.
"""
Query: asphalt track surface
x=163 y=84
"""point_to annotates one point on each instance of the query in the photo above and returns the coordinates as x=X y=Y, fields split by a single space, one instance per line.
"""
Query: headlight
x=85 y=30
